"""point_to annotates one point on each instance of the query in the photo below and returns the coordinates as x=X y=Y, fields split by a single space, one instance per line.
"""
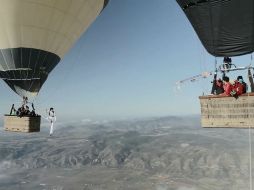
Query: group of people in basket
x=23 y=110
x=234 y=88
x=225 y=88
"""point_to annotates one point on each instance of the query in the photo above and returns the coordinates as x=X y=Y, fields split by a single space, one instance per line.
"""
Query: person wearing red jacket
x=228 y=87
x=217 y=87
x=238 y=88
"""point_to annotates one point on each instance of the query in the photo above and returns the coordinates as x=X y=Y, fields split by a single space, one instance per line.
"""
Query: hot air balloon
x=34 y=36
x=225 y=28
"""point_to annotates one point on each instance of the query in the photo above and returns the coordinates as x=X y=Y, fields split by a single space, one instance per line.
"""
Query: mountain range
x=162 y=153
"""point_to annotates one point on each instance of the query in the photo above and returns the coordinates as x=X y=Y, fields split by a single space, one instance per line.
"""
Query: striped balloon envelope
x=36 y=34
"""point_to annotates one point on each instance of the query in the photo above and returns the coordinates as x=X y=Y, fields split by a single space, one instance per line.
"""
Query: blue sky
x=126 y=65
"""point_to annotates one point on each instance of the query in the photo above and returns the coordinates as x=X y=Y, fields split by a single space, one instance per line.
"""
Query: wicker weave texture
x=227 y=111
x=22 y=124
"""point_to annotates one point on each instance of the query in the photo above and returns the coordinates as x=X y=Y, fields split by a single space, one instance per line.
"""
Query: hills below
x=167 y=153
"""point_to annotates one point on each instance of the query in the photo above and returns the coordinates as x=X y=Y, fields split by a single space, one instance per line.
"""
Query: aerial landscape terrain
x=123 y=79
x=160 y=153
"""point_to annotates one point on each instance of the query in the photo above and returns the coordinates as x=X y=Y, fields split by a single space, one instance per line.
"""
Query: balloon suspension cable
x=215 y=64
x=250 y=141
x=250 y=157
x=251 y=60
x=215 y=67
x=250 y=149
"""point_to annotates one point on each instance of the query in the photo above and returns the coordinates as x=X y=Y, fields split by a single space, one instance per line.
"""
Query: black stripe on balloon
x=105 y=3
x=26 y=68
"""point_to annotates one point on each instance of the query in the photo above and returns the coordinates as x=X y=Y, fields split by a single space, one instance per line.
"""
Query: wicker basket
x=221 y=111
x=25 y=124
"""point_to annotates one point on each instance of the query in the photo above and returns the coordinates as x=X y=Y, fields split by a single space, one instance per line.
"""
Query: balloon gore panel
x=26 y=69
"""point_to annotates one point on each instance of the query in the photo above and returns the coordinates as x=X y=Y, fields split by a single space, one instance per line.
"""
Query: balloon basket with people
x=22 y=119
x=25 y=120
x=231 y=102
x=225 y=34
x=32 y=48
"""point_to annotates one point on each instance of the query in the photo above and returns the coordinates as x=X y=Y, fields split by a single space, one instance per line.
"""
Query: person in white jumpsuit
x=51 y=118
